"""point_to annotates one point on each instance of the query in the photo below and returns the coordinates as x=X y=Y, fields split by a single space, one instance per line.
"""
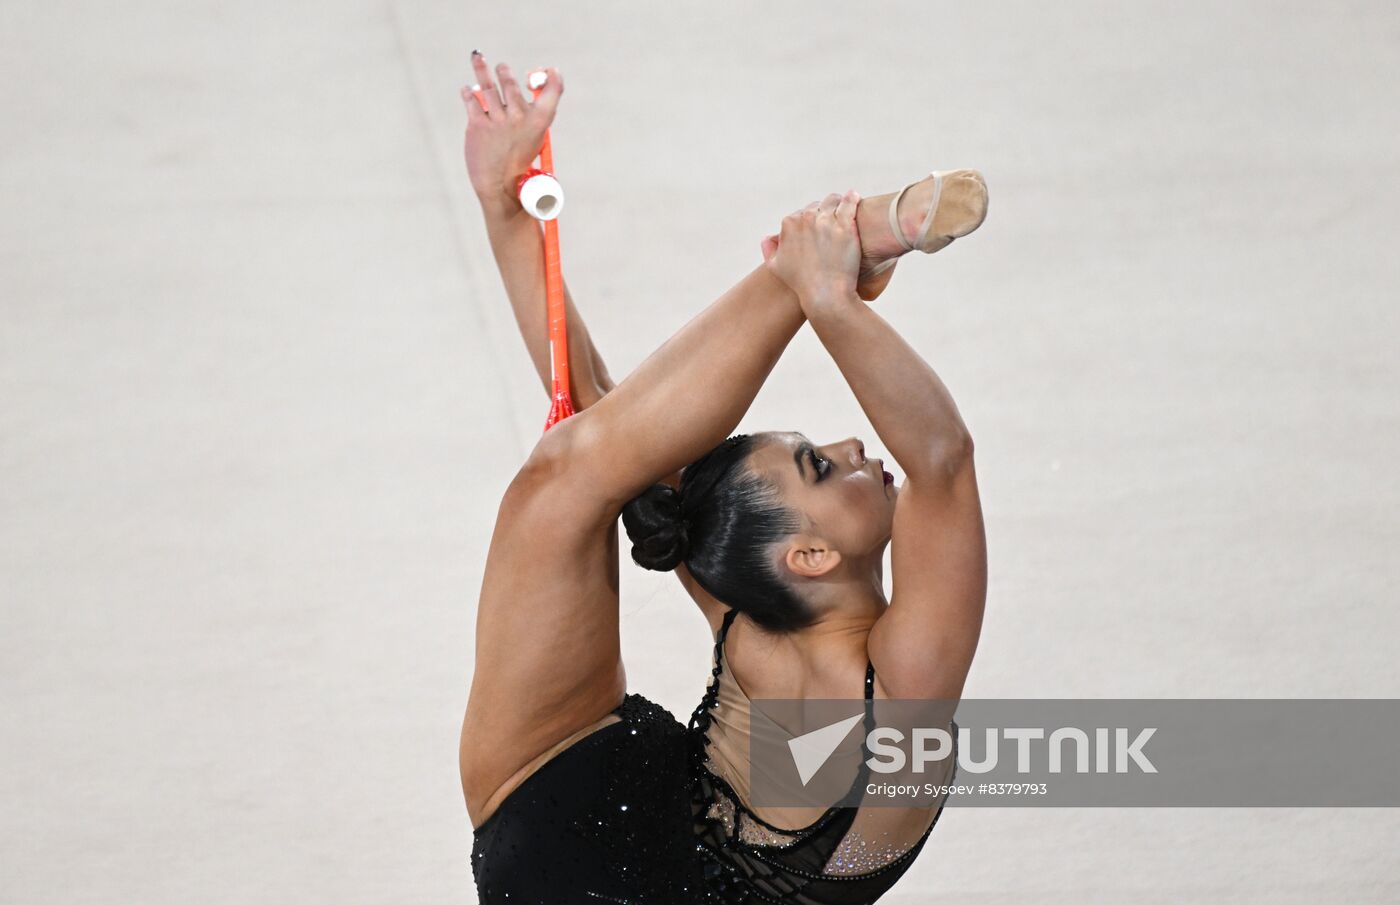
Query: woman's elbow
x=561 y=451
x=956 y=453
x=947 y=458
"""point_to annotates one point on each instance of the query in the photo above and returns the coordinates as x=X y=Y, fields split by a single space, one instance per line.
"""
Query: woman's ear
x=810 y=557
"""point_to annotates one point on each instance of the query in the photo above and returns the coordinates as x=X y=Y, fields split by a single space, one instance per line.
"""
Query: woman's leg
x=548 y=661
x=547 y=652
x=684 y=399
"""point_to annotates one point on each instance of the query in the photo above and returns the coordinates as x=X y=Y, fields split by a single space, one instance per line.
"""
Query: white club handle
x=542 y=197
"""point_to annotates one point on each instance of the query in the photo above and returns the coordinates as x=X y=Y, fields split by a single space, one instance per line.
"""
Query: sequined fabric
x=607 y=820
x=858 y=855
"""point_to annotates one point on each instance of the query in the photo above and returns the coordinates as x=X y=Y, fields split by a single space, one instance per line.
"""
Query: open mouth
x=889 y=478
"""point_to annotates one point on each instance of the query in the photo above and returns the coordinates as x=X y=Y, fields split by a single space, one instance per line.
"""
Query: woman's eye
x=823 y=466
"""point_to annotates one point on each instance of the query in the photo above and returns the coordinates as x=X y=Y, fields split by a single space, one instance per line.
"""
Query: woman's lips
x=889 y=478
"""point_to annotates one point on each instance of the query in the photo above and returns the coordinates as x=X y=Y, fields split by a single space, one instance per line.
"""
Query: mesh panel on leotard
x=835 y=856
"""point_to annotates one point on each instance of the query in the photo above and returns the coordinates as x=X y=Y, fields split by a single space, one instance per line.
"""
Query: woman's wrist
x=498 y=202
x=829 y=302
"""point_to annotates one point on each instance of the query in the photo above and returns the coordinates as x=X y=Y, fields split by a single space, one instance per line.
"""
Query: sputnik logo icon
x=813 y=749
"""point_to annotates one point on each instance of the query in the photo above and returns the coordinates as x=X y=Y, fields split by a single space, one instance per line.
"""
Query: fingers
x=846 y=210
x=794 y=222
x=476 y=110
x=836 y=205
x=547 y=101
x=510 y=89
x=484 y=89
x=797 y=221
x=505 y=96
x=829 y=206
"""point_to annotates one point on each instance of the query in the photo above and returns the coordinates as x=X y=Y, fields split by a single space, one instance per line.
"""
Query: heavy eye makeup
x=821 y=465
x=806 y=454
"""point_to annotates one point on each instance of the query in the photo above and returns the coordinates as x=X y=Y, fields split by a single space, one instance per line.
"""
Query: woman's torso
x=806 y=854
x=647 y=811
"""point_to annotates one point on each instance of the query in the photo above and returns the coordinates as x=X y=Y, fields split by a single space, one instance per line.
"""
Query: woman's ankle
x=877 y=241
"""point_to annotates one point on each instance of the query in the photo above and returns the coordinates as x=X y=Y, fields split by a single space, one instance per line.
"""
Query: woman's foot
x=961 y=207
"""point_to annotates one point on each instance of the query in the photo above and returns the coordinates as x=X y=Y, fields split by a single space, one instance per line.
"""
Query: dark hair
x=720 y=523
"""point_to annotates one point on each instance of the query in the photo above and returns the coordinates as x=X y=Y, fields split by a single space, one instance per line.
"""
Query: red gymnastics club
x=543 y=198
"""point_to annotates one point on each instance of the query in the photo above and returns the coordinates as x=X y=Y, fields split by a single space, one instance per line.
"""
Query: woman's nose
x=857 y=451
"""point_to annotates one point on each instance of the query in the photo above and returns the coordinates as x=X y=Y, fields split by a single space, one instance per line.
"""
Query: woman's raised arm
x=688 y=395
x=503 y=137
x=923 y=645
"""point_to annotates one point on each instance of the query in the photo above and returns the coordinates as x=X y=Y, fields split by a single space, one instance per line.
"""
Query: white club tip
x=537 y=79
x=542 y=197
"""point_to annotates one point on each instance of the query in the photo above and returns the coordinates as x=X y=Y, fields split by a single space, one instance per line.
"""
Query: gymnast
x=582 y=792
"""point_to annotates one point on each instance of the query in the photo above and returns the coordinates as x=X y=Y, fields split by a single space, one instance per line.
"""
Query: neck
x=847 y=606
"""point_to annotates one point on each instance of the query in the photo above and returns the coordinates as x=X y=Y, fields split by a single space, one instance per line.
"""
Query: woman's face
x=843 y=498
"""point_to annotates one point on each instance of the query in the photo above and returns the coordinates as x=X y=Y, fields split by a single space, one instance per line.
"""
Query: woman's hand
x=818 y=250
x=504 y=130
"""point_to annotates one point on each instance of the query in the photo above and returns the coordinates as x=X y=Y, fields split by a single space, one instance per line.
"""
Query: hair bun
x=657 y=529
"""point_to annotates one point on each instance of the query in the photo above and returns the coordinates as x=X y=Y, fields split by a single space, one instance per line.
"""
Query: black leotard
x=628 y=815
x=606 y=820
